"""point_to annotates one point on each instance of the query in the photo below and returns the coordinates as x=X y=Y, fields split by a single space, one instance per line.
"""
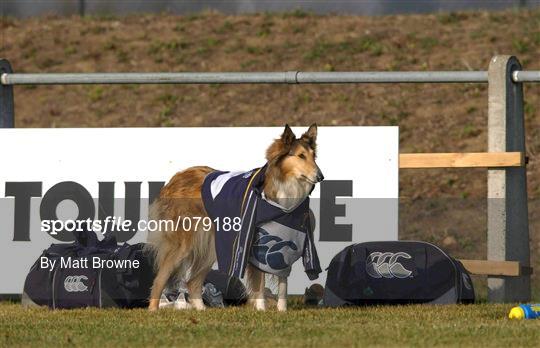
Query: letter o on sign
x=69 y=190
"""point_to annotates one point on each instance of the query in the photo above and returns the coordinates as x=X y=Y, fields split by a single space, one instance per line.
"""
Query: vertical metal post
x=7 y=104
x=82 y=8
x=508 y=224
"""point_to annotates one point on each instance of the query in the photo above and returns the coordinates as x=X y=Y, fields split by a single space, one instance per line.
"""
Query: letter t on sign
x=330 y=231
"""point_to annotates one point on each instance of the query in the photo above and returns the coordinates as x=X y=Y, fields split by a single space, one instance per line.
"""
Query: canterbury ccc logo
x=75 y=283
x=385 y=265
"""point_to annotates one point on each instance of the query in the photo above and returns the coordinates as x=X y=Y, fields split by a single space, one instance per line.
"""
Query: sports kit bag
x=90 y=273
x=396 y=272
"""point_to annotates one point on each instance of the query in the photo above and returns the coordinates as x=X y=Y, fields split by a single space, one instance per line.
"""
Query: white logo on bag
x=378 y=267
x=75 y=283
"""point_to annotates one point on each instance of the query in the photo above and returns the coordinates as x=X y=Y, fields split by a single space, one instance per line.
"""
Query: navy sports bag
x=90 y=273
x=395 y=272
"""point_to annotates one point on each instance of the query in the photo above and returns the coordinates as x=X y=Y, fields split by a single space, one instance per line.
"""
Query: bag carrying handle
x=86 y=238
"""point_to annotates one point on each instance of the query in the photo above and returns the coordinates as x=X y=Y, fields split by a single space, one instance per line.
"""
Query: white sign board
x=360 y=165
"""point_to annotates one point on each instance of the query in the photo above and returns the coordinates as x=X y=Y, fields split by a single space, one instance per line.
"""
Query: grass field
x=480 y=325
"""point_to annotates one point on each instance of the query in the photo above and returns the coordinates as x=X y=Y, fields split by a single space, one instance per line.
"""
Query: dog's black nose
x=320 y=176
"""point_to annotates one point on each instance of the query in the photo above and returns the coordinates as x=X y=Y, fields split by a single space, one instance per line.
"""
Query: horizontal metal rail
x=526 y=76
x=392 y=77
x=289 y=77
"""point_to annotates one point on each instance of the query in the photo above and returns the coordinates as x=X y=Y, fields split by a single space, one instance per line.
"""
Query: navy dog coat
x=250 y=228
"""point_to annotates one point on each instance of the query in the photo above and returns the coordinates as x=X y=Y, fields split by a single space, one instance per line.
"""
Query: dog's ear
x=310 y=136
x=282 y=145
x=288 y=136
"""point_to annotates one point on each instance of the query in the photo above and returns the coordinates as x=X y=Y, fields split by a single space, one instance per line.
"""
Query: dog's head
x=294 y=158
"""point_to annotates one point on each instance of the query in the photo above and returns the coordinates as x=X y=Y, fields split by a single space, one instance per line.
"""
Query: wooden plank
x=496 y=268
x=461 y=160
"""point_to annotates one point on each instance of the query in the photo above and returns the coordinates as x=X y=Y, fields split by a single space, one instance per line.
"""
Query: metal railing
x=288 y=77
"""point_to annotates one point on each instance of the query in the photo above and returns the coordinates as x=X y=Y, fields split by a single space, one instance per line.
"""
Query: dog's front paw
x=282 y=304
x=258 y=303
x=198 y=304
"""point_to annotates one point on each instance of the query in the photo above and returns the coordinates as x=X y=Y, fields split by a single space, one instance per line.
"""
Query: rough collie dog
x=189 y=253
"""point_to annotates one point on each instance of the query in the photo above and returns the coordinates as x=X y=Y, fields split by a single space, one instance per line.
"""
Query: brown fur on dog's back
x=186 y=184
x=180 y=249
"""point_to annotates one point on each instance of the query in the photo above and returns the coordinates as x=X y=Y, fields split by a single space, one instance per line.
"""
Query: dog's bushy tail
x=156 y=246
